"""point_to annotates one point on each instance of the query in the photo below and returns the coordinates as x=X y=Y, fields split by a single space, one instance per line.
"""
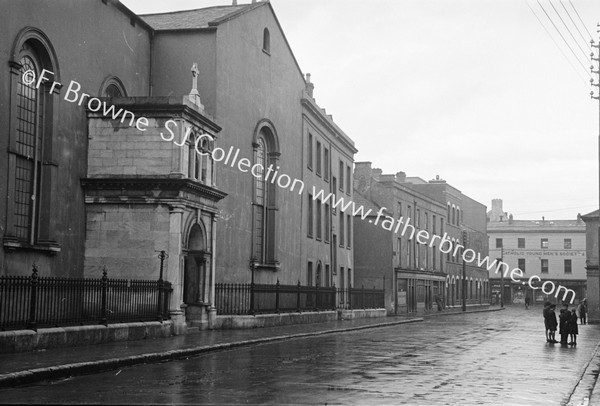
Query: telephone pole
x=596 y=72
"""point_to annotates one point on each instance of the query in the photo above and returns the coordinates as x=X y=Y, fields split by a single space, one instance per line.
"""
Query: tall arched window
x=266 y=155
x=260 y=191
x=453 y=215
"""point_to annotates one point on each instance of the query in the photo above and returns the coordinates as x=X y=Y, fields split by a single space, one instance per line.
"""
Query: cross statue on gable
x=195 y=73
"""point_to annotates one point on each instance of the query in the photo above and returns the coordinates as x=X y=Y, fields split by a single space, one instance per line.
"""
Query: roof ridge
x=193 y=9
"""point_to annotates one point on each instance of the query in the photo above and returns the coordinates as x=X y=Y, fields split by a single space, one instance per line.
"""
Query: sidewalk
x=587 y=391
x=29 y=367
x=21 y=368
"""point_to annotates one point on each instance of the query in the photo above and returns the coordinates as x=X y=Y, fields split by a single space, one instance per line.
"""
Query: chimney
x=401 y=177
x=362 y=176
x=377 y=173
x=234 y=3
x=310 y=87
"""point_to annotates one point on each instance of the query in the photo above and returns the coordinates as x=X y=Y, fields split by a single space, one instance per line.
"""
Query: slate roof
x=194 y=19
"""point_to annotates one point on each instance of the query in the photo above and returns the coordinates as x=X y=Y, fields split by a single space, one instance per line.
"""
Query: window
x=418 y=218
x=327 y=276
x=399 y=210
x=112 y=87
x=349 y=230
x=568 y=264
x=266 y=41
x=327 y=227
x=448 y=214
x=498 y=242
x=310 y=216
x=567 y=243
x=341 y=229
x=433 y=221
x=310 y=151
x=458 y=216
x=544 y=263
x=265 y=198
x=521 y=243
x=326 y=164
x=453 y=215
x=350 y=278
x=309 y=274
x=544 y=243
x=341 y=174
x=348 y=180
x=426 y=221
x=433 y=259
x=399 y=252
x=334 y=190
x=199 y=166
x=522 y=264
x=318 y=159
x=319 y=234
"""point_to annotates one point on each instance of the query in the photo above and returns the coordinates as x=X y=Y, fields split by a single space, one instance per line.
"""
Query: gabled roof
x=196 y=19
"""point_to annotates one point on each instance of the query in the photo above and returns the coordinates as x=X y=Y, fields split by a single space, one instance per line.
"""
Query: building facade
x=417 y=274
x=81 y=190
x=554 y=250
x=591 y=266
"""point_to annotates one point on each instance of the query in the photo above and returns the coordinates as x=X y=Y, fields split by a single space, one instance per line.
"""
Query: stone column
x=175 y=265
x=593 y=294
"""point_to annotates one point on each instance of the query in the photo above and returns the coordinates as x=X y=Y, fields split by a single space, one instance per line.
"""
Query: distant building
x=591 y=266
x=415 y=275
x=552 y=249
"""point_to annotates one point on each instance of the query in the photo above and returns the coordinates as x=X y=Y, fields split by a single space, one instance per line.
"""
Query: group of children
x=567 y=321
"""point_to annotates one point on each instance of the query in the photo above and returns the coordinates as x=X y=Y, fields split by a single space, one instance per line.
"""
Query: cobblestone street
x=481 y=358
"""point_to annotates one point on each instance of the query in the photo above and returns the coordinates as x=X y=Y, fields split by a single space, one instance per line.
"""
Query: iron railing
x=249 y=298
x=33 y=301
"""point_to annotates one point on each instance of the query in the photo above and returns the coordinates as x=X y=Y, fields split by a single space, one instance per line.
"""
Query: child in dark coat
x=552 y=324
x=564 y=317
x=573 y=329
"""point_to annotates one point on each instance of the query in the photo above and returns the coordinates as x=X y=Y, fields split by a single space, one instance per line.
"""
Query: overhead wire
x=582 y=23
x=556 y=44
x=585 y=55
x=575 y=25
x=563 y=38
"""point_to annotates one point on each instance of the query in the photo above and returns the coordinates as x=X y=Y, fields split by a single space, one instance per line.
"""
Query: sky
x=484 y=93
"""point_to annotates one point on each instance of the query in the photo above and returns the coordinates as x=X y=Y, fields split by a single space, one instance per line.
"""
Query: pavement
x=52 y=364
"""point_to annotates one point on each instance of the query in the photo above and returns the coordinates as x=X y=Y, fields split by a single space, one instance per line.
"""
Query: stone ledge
x=46 y=338
x=361 y=314
x=271 y=320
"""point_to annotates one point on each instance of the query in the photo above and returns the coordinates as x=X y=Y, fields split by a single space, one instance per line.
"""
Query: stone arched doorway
x=196 y=277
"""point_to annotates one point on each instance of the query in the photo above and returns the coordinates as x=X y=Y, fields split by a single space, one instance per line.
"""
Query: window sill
x=276 y=266
x=50 y=248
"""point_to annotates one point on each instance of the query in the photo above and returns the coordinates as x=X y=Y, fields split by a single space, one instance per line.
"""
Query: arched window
x=453 y=215
x=449 y=216
x=200 y=162
x=112 y=87
x=266 y=155
x=30 y=141
x=266 y=41
x=457 y=216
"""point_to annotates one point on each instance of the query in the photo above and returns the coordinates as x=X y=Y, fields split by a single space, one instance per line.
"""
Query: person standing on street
x=527 y=301
x=582 y=310
x=552 y=324
x=546 y=320
x=573 y=329
x=563 y=317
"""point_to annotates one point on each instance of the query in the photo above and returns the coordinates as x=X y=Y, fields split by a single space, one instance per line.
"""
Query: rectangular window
x=434 y=256
x=544 y=263
x=319 y=234
x=310 y=215
x=544 y=242
x=310 y=151
x=327 y=227
x=341 y=175
x=327 y=276
x=309 y=274
x=567 y=243
x=326 y=164
x=348 y=180
x=399 y=214
x=521 y=243
x=433 y=221
x=349 y=229
x=333 y=191
x=341 y=229
x=318 y=158
x=399 y=252
x=522 y=264
x=418 y=218
x=350 y=278
x=568 y=268
x=498 y=242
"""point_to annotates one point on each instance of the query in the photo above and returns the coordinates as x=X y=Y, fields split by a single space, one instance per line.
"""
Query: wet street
x=492 y=358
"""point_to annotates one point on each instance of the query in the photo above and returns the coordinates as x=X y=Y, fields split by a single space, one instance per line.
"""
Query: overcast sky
x=475 y=91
